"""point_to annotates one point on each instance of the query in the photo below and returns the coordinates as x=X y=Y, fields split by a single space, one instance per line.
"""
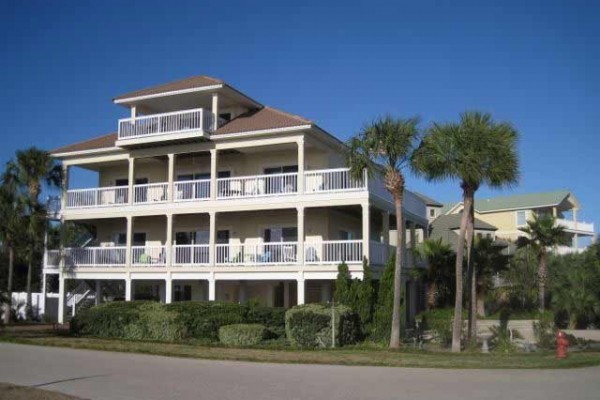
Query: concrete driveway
x=105 y=375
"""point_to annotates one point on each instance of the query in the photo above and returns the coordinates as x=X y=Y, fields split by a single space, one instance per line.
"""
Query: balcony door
x=281 y=184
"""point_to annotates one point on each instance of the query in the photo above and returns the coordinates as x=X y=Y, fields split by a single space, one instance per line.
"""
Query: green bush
x=202 y=320
x=440 y=322
x=108 y=319
x=155 y=323
x=545 y=330
x=382 y=317
x=242 y=334
x=309 y=325
x=271 y=317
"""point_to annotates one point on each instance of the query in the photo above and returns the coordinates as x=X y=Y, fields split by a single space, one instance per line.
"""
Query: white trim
x=529 y=208
x=85 y=152
x=171 y=93
x=216 y=136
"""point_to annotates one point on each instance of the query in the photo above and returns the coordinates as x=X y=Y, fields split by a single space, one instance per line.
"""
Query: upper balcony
x=171 y=126
x=283 y=185
x=575 y=226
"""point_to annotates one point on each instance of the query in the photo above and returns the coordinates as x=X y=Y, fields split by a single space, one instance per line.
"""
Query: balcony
x=163 y=127
x=250 y=253
x=576 y=226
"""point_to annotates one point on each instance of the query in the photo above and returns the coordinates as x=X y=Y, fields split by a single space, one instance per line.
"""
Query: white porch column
x=128 y=289
x=98 y=291
x=169 y=241
x=286 y=294
x=365 y=230
x=168 y=289
x=300 y=229
x=300 y=291
x=129 y=240
x=61 y=298
x=133 y=114
x=213 y=174
x=43 y=298
x=215 y=111
x=554 y=212
x=212 y=289
x=301 y=165
x=171 y=177
x=65 y=186
x=131 y=179
x=212 y=238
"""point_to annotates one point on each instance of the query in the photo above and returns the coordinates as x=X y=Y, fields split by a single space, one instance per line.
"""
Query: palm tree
x=11 y=211
x=475 y=151
x=438 y=276
x=542 y=233
x=386 y=146
x=488 y=261
x=32 y=168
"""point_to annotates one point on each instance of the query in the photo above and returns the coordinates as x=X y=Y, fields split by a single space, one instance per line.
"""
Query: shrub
x=272 y=318
x=155 y=322
x=309 y=325
x=358 y=294
x=545 y=330
x=202 y=320
x=439 y=321
x=242 y=334
x=382 y=318
x=108 y=319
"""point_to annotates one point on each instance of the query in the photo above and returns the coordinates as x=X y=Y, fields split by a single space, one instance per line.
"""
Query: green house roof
x=516 y=202
x=428 y=200
x=452 y=221
x=522 y=201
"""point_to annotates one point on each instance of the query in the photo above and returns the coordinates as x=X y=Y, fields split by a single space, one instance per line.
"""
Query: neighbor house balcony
x=249 y=253
x=170 y=126
x=575 y=226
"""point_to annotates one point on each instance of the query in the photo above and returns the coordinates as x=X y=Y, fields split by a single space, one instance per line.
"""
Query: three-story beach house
x=203 y=193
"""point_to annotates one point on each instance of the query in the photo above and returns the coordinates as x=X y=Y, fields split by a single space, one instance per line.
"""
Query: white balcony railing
x=257 y=186
x=331 y=180
x=95 y=256
x=333 y=251
x=191 y=255
x=148 y=256
x=562 y=250
x=98 y=197
x=166 y=123
x=576 y=225
x=257 y=254
x=151 y=193
x=192 y=190
x=52 y=259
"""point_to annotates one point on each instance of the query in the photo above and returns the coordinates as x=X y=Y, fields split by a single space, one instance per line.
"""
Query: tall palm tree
x=31 y=169
x=476 y=151
x=542 y=233
x=386 y=147
x=11 y=212
x=438 y=276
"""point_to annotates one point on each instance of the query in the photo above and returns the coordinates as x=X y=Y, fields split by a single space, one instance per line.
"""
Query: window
x=225 y=116
x=521 y=218
x=288 y=234
x=432 y=212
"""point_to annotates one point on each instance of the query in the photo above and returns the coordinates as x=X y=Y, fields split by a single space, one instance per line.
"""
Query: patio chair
x=289 y=253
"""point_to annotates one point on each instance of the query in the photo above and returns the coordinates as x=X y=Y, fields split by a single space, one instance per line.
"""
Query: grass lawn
x=13 y=392
x=343 y=356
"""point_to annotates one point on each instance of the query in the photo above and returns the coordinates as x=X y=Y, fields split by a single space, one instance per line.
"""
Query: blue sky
x=534 y=63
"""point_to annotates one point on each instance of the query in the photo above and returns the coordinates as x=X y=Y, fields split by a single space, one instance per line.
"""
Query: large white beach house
x=203 y=193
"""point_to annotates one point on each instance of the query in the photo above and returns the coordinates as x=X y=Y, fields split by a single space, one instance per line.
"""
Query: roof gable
x=100 y=142
x=193 y=82
x=262 y=119
x=522 y=201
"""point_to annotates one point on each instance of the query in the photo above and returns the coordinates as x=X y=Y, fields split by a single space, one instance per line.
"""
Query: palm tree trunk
x=11 y=258
x=395 y=331
x=460 y=250
x=472 y=275
x=542 y=272
x=431 y=296
x=29 y=309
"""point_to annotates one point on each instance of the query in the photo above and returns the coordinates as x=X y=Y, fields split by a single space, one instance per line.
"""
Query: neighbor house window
x=521 y=218
x=432 y=212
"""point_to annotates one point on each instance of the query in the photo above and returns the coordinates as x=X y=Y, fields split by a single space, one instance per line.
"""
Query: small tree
x=542 y=233
x=343 y=286
x=439 y=274
x=386 y=146
x=488 y=261
x=382 y=317
x=358 y=294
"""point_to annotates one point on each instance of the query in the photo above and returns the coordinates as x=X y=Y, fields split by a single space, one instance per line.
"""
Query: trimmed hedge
x=146 y=320
x=242 y=334
x=309 y=325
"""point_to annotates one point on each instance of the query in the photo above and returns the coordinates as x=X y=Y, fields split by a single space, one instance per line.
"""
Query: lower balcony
x=250 y=253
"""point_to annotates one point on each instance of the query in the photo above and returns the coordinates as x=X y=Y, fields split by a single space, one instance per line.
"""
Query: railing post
x=300 y=229
x=212 y=239
x=129 y=239
x=213 y=174
x=300 y=178
x=169 y=244
x=131 y=179
x=171 y=172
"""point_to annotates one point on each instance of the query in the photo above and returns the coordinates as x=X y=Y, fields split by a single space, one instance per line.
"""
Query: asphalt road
x=115 y=376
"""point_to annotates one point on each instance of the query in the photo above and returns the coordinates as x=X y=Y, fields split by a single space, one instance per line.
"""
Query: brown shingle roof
x=100 y=142
x=182 y=84
x=261 y=119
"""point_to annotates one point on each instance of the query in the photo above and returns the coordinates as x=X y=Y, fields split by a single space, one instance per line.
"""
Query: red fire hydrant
x=562 y=345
